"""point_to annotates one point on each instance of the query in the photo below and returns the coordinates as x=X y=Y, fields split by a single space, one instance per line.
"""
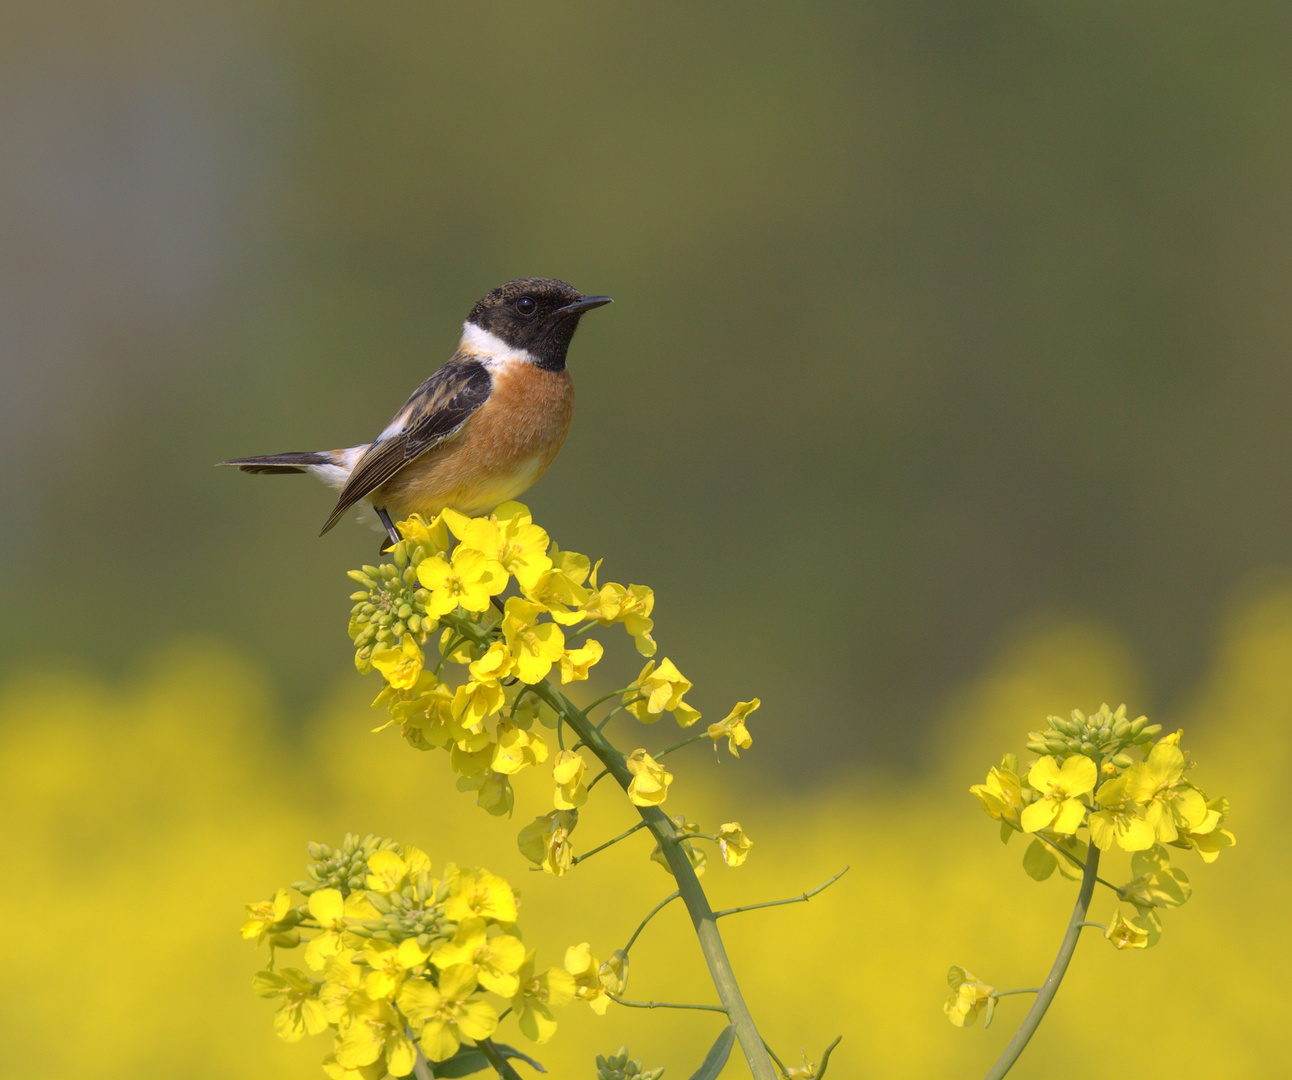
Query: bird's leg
x=391 y=531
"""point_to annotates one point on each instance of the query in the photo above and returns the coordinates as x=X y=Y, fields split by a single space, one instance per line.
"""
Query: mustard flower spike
x=344 y=868
x=1106 y=733
x=618 y=1067
x=391 y=604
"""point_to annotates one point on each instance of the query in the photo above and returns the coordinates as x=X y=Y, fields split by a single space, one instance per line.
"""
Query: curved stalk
x=703 y=919
x=1051 y=985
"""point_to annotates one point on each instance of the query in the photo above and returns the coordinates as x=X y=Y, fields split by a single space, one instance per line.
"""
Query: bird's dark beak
x=584 y=303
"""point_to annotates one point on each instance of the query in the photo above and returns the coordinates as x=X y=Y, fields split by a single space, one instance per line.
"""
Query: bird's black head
x=538 y=315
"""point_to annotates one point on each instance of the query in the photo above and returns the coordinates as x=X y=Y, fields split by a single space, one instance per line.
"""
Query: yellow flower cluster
x=401 y=966
x=479 y=710
x=467 y=621
x=1143 y=803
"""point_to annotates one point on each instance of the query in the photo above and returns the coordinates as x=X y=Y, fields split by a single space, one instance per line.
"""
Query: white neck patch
x=490 y=349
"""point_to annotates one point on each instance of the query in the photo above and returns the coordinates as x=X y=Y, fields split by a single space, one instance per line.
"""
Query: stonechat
x=480 y=430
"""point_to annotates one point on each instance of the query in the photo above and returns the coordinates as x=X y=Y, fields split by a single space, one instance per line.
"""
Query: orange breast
x=501 y=450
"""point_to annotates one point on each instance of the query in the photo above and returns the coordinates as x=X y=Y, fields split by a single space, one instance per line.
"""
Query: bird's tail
x=333 y=467
x=283 y=463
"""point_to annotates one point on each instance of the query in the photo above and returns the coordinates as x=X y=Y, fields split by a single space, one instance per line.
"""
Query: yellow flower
x=545 y=841
x=806 y=1071
x=1124 y=934
x=424 y=720
x=515 y=748
x=560 y=589
x=660 y=690
x=495 y=959
x=494 y=793
x=401 y=667
x=389 y=871
x=576 y=662
x=1002 y=795
x=1171 y=805
x=433 y=538
x=568 y=772
x=732 y=727
x=495 y=664
x=969 y=997
x=334 y=914
x=388 y=965
x=614 y=973
x=468 y=580
x=509 y=538
x=265 y=915
x=376 y=1033
x=443 y=1014
x=733 y=843
x=1157 y=884
x=342 y=981
x=470 y=764
x=649 y=785
x=301 y=1012
x=536 y=646
x=585 y=969
x=1119 y=819
x=631 y=606
x=538 y=993
x=479 y=894
x=1205 y=838
x=1057 y=805
x=473 y=703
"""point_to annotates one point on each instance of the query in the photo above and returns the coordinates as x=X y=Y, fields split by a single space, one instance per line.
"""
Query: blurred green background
x=946 y=387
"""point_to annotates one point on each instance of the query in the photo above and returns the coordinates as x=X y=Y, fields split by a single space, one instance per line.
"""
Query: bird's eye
x=527 y=305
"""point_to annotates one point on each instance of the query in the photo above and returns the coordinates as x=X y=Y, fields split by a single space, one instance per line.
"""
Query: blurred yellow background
x=946 y=387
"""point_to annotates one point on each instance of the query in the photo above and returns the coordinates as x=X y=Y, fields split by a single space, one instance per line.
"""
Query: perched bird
x=480 y=430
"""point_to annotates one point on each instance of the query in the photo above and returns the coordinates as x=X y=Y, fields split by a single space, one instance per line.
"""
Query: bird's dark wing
x=436 y=410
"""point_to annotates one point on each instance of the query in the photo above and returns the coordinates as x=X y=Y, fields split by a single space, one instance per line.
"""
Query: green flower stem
x=779 y=1063
x=1121 y=892
x=1051 y=985
x=494 y=1056
x=623 y=706
x=678 y=746
x=664 y=1005
x=602 y=847
x=653 y=912
x=788 y=900
x=703 y=919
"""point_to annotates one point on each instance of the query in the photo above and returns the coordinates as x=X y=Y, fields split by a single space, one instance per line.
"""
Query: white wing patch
x=396 y=427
